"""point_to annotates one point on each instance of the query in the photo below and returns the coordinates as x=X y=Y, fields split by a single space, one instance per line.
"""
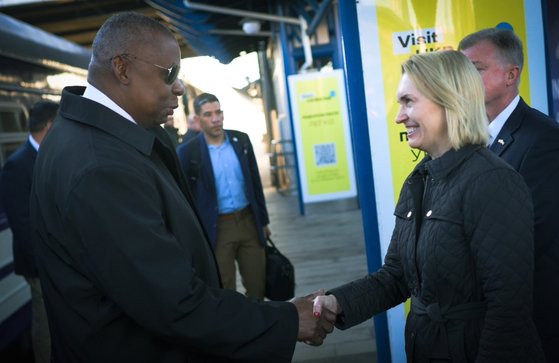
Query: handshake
x=317 y=315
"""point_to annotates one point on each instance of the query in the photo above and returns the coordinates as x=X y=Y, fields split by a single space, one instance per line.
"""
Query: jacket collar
x=505 y=137
x=228 y=136
x=441 y=167
x=85 y=111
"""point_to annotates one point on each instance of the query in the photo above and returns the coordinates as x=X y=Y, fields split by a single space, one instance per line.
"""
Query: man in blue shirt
x=223 y=175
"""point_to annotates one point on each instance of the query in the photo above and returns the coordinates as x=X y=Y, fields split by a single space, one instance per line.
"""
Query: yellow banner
x=416 y=26
x=322 y=136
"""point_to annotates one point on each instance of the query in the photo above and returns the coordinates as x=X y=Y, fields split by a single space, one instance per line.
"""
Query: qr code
x=325 y=154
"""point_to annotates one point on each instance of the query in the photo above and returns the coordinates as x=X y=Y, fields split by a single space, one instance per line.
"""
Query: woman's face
x=424 y=120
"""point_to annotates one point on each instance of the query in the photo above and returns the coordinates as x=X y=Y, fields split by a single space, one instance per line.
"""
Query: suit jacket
x=15 y=187
x=127 y=272
x=190 y=134
x=197 y=166
x=529 y=142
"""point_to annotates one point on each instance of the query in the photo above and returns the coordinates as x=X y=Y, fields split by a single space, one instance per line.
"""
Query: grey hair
x=123 y=33
x=508 y=45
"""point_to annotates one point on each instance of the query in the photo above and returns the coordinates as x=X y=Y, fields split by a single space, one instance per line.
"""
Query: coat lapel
x=206 y=168
x=505 y=137
x=169 y=158
x=31 y=151
x=502 y=142
x=241 y=149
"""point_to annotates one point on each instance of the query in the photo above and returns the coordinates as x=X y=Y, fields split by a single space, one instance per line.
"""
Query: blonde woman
x=462 y=247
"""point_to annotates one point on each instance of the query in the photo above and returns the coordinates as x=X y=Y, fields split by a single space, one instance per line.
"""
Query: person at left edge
x=127 y=272
x=15 y=187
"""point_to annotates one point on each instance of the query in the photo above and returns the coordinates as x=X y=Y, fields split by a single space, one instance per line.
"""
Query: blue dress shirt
x=229 y=180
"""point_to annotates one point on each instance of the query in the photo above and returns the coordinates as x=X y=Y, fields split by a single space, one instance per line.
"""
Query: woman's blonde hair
x=449 y=79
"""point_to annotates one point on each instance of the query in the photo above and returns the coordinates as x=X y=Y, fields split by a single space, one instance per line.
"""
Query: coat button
x=409 y=214
x=429 y=213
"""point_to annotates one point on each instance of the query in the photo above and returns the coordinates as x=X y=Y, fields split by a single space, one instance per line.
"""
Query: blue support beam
x=318 y=16
x=318 y=51
x=352 y=63
x=289 y=68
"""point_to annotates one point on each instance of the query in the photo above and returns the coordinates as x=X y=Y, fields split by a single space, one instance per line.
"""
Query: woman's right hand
x=325 y=302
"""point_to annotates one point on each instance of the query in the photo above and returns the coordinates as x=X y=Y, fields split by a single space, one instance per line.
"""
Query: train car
x=34 y=65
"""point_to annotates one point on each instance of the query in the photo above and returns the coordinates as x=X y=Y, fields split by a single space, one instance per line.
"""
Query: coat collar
x=441 y=167
x=229 y=136
x=505 y=136
x=85 y=111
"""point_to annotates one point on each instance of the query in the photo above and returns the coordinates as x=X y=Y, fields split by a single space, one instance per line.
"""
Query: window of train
x=13 y=128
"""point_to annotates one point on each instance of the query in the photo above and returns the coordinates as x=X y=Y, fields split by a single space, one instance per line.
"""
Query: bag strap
x=269 y=241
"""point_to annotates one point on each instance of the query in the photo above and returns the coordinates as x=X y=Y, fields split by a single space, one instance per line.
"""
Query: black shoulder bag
x=280 y=274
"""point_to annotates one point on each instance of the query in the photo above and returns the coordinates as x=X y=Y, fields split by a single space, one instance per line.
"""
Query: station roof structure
x=198 y=32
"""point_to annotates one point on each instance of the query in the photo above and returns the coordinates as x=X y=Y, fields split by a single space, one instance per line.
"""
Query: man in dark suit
x=222 y=172
x=529 y=141
x=128 y=273
x=15 y=187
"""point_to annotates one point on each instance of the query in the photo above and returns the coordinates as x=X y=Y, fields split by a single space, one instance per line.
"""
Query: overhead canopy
x=216 y=34
x=198 y=32
x=23 y=41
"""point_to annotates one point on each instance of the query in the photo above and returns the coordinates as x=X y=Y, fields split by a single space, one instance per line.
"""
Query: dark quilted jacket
x=464 y=251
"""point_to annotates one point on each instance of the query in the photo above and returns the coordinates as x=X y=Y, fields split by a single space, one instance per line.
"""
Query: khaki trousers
x=237 y=240
x=40 y=335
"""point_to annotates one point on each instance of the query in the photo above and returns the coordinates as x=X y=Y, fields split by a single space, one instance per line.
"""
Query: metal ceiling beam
x=75 y=24
x=4 y=3
x=241 y=13
x=305 y=41
x=318 y=16
x=237 y=32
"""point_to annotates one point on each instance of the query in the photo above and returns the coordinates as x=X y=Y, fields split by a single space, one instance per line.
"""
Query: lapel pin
x=235 y=139
x=501 y=141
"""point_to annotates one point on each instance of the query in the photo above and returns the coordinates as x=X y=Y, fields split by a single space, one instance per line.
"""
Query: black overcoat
x=127 y=271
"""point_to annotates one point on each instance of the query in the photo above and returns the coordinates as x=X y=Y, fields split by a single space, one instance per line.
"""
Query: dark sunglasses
x=172 y=72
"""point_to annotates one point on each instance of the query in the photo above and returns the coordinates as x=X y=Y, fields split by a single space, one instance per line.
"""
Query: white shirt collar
x=497 y=124
x=33 y=142
x=94 y=94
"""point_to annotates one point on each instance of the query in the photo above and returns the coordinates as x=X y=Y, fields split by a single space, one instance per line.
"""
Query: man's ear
x=120 y=68
x=513 y=75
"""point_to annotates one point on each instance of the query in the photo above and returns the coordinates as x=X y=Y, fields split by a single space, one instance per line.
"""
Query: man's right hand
x=313 y=329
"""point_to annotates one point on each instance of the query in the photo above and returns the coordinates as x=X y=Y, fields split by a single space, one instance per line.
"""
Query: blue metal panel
x=352 y=65
x=318 y=16
x=548 y=34
x=289 y=67
x=336 y=41
x=318 y=51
